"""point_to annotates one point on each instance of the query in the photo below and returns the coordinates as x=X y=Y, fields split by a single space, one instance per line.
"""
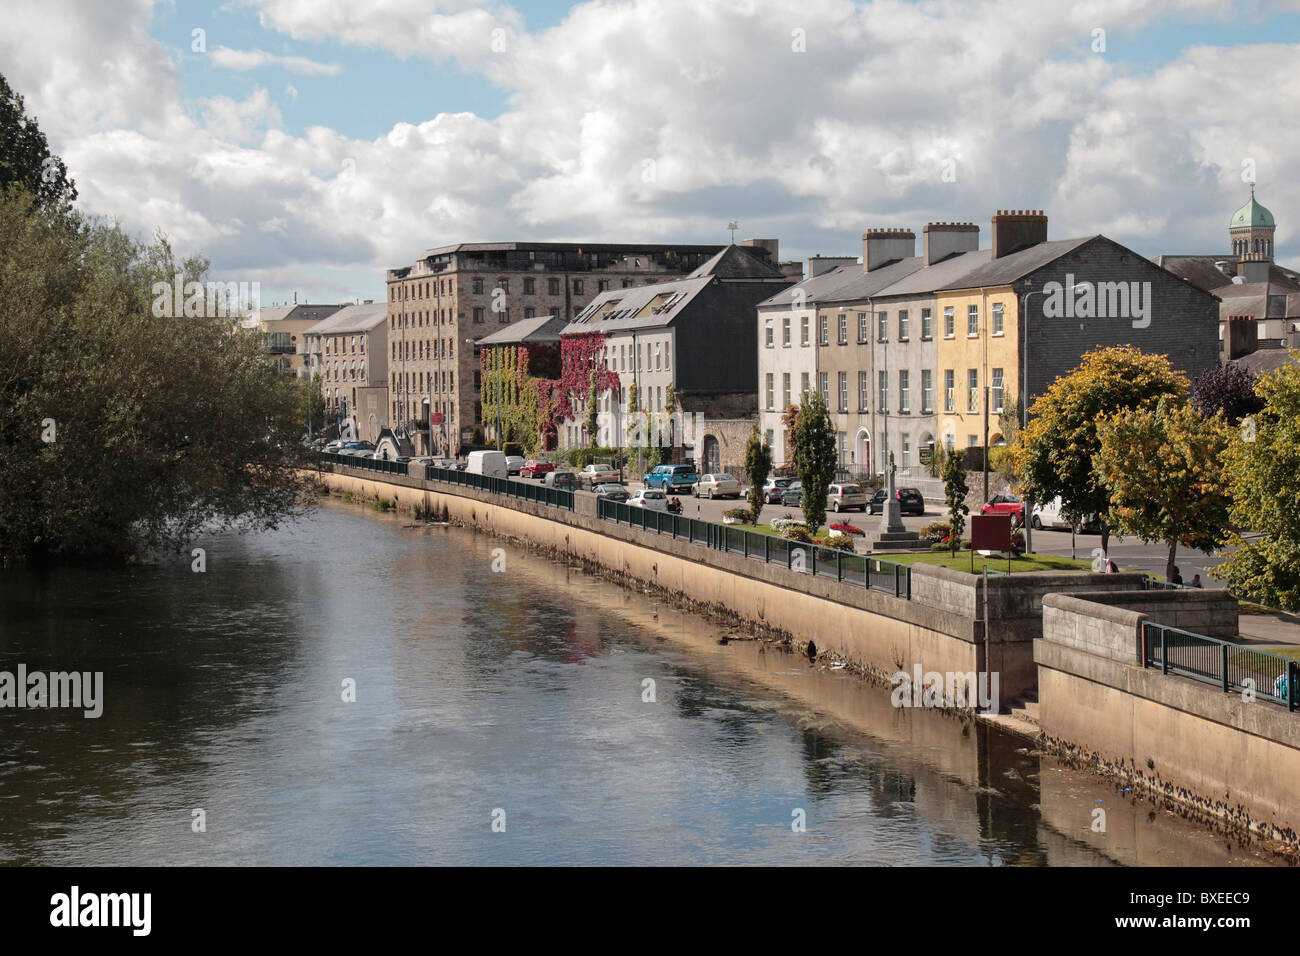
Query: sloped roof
x=878 y=281
x=1263 y=360
x=351 y=318
x=738 y=262
x=1016 y=265
x=1201 y=271
x=546 y=328
x=645 y=306
x=817 y=288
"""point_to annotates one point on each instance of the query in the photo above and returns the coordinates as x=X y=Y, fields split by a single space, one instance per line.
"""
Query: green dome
x=1251 y=214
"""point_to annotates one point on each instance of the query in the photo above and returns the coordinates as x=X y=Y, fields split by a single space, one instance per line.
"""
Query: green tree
x=25 y=158
x=814 y=442
x=311 y=405
x=955 y=491
x=1162 y=469
x=593 y=406
x=120 y=429
x=1262 y=463
x=1055 y=454
x=758 y=465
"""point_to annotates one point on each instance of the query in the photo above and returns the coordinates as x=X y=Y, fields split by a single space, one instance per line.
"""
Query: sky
x=309 y=145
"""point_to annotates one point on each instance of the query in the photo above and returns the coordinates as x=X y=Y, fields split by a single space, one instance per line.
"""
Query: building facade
x=349 y=351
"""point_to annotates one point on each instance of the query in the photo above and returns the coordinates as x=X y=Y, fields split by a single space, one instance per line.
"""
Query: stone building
x=349 y=350
x=284 y=327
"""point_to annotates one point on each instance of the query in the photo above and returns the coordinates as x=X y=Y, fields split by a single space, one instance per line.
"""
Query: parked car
x=513 y=464
x=679 y=478
x=489 y=464
x=1005 y=504
x=598 y=473
x=651 y=498
x=535 y=468
x=333 y=447
x=1049 y=516
x=910 y=501
x=357 y=449
x=612 y=492
x=561 y=479
x=842 y=497
x=717 y=486
x=772 y=489
x=446 y=464
x=792 y=495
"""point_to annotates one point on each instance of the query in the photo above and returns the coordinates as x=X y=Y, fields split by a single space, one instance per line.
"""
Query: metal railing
x=369 y=464
x=558 y=497
x=1155 y=584
x=1227 y=665
x=802 y=557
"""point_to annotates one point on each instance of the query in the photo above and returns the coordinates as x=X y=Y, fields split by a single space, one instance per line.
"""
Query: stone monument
x=893 y=535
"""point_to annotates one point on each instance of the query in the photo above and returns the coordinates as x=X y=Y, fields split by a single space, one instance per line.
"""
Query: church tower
x=1251 y=230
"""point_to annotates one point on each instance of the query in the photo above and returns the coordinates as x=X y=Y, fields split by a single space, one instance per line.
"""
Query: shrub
x=935 y=531
x=841 y=543
x=785 y=521
x=939 y=546
x=743 y=514
x=796 y=531
x=384 y=504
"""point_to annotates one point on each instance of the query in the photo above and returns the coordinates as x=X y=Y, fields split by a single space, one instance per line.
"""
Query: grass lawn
x=1027 y=562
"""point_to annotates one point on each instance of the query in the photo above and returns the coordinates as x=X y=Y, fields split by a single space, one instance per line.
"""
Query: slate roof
x=817 y=288
x=351 y=318
x=546 y=328
x=1014 y=266
x=738 y=262
x=1201 y=272
x=867 y=284
x=639 y=307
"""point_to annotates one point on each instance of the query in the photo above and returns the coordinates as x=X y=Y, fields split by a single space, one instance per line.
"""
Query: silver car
x=717 y=486
x=842 y=497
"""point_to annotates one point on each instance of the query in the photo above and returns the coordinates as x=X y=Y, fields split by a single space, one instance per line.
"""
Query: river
x=501 y=716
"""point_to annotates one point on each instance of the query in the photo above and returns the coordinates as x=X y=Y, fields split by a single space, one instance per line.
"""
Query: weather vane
x=733 y=226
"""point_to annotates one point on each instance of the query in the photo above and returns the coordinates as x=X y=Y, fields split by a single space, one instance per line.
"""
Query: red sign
x=990 y=532
x=437 y=418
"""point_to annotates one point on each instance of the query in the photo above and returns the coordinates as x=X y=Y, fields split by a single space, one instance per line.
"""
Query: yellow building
x=978 y=362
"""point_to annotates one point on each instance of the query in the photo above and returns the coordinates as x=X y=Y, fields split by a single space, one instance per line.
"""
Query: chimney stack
x=1254 y=267
x=880 y=247
x=945 y=239
x=1016 y=229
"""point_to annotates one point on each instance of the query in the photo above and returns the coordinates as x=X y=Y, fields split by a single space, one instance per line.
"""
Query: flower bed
x=844 y=527
x=738 y=516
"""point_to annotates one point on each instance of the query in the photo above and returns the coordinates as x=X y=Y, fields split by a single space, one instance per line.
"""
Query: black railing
x=1229 y=666
x=370 y=464
x=797 y=556
x=524 y=490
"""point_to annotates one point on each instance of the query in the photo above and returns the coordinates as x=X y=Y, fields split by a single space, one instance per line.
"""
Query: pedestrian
x=1111 y=566
x=1178 y=576
x=1196 y=581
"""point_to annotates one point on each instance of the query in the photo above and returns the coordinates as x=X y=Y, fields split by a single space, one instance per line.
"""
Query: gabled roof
x=738 y=262
x=879 y=281
x=815 y=289
x=351 y=318
x=645 y=306
x=536 y=331
x=1015 y=266
x=1201 y=271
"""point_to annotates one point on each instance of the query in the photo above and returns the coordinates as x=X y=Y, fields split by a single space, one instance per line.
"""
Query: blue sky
x=375 y=130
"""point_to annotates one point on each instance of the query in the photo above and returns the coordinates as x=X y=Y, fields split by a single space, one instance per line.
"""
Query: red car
x=1005 y=505
x=535 y=468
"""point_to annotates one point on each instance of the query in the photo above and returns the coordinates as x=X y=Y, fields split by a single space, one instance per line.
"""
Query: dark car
x=792 y=494
x=611 y=492
x=567 y=480
x=910 y=502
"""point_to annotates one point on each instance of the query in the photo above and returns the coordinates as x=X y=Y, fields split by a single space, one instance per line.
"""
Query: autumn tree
x=1163 y=472
x=758 y=465
x=1262 y=463
x=1055 y=454
x=593 y=407
x=814 y=443
x=790 y=419
x=1226 y=388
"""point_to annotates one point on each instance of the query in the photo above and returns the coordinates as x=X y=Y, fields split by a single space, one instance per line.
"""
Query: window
x=823 y=336
x=477 y=286
x=972 y=320
x=768 y=337
x=478 y=315
x=844 y=328
x=904 y=391
x=972 y=441
x=997 y=318
x=824 y=381
x=602 y=285
x=785 y=390
x=903 y=325
x=907 y=453
x=804 y=387
x=844 y=391
x=972 y=390
x=882 y=327
x=927 y=391
x=882 y=392
x=863 y=387
x=530 y=313
x=503 y=285
x=627 y=283
x=862 y=328
x=785 y=331
x=947 y=322
x=843 y=439
x=771 y=390
x=803 y=330
x=657 y=359
x=949 y=390
x=767 y=437
x=503 y=316
x=553 y=286
x=950 y=443
x=577 y=287
x=996 y=391
x=668 y=356
x=530 y=286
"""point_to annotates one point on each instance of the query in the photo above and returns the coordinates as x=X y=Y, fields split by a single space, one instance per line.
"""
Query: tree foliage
x=1055 y=454
x=1263 y=467
x=758 y=465
x=1226 y=388
x=26 y=162
x=955 y=491
x=1162 y=470
x=120 y=429
x=814 y=443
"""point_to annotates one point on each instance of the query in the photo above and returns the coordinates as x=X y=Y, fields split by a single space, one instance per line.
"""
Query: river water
x=501 y=716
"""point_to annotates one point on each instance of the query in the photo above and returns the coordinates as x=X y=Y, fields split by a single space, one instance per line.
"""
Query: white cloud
x=255 y=59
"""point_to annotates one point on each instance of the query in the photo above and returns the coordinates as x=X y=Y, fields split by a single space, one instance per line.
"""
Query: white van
x=1049 y=516
x=489 y=464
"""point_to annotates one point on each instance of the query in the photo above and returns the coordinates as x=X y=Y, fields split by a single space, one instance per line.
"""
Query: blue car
x=680 y=478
